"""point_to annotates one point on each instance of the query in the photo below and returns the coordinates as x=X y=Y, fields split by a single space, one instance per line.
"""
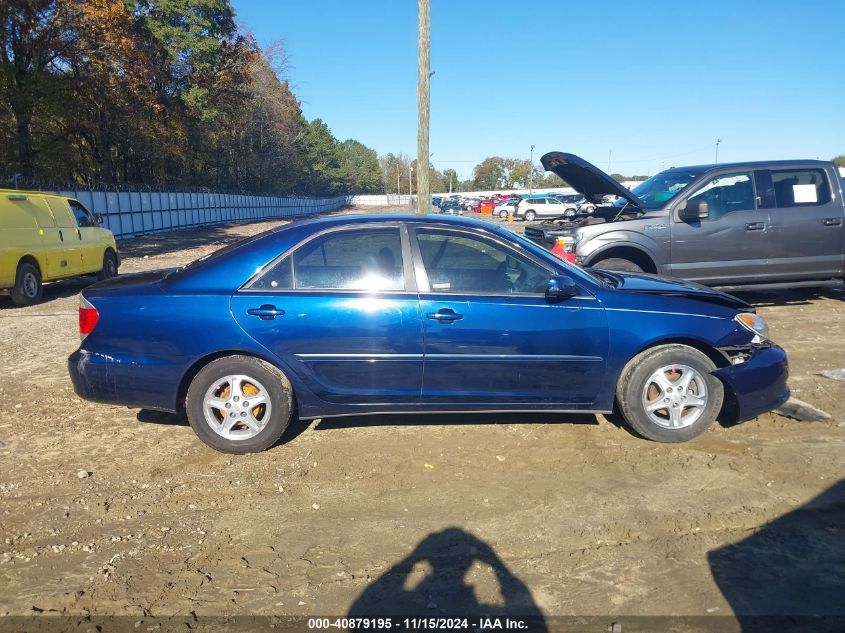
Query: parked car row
x=524 y=207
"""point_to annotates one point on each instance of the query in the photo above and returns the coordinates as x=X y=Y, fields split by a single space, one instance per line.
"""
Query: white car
x=505 y=209
x=541 y=207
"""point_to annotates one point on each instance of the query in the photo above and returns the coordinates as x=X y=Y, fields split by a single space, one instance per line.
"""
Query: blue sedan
x=352 y=315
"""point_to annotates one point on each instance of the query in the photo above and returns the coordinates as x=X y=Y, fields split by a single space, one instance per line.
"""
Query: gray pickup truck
x=773 y=224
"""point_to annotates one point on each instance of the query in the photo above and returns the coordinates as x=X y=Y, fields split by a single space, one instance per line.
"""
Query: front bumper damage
x=759 y=382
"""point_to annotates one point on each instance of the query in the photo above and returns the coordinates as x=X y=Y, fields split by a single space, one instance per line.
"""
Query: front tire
x=28 y=289
x=668 y=394
x=620 y=264
x=109 y=268
x=239 y=404
x=530 y=216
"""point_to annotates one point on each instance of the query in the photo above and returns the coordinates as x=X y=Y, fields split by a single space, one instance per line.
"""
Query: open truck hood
x=586 y=178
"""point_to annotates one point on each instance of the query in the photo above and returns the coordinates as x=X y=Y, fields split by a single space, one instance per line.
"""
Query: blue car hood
x=654 y=284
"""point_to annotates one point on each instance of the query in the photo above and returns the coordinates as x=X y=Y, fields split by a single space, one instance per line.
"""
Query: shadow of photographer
x=432 y=581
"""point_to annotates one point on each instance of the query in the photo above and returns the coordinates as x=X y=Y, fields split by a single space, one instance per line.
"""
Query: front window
x=725 y=194
x=459 y=263
x=80 y=213
x=655 y=192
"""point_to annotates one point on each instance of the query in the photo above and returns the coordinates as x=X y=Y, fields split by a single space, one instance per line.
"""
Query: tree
x=322 y=171
x=496 y=172
x=396 y=170
x=360 y=167
x=450 y=179
x=33 y=36
x=839 y=160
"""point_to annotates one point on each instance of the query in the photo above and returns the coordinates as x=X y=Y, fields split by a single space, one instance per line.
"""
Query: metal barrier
x=132 y=213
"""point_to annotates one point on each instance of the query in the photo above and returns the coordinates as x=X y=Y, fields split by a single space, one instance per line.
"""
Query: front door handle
x=445 y=315
x=267 y=312
x=833 y=221
x=755 y=226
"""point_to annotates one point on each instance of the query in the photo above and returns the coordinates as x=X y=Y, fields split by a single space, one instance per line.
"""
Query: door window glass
x=457 y=262
x=80 y=213
x=725 y=194
x=366 y=259
x=800 y=187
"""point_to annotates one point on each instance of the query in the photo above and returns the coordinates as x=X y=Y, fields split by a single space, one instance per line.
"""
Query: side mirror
x=560 y=287
x=693 y=211
x=98 y=219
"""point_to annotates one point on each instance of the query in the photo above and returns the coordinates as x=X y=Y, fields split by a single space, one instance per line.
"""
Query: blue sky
x=637 y=85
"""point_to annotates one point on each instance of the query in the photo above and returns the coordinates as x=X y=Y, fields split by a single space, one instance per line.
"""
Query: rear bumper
x=759 y=383
x=108 y=380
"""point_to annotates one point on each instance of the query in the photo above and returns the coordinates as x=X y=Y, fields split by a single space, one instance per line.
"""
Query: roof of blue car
x=357 y=218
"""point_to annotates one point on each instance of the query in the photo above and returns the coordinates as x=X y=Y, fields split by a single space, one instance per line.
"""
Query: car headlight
x=754 y=324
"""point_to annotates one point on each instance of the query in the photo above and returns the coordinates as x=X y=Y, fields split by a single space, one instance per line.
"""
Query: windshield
x=655 y=192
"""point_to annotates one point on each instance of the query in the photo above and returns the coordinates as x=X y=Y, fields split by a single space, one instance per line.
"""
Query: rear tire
x=678 y=377
x=530 y=216
x=219 y=410
x=109 y=268
x=617 y=263
x=503 y=214
x=28 y=289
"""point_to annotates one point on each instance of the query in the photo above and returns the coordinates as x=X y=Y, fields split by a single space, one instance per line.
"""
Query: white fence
x=382 y=200
x=131 y=213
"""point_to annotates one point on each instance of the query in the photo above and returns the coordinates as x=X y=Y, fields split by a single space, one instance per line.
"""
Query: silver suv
x=773 y=224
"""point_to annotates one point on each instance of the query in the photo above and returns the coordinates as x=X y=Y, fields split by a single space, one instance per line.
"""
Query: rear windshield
x=655 y=192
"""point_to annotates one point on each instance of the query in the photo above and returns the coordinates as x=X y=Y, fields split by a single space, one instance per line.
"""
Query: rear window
x=800 y=187
x=358 y=259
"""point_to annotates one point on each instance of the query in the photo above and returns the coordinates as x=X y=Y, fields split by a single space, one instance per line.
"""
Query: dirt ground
x=111 y=511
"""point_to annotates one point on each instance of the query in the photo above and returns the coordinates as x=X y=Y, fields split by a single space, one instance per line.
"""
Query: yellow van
x=44 y=237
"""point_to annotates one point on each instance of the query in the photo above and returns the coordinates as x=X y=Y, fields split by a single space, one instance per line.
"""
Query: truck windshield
x=660 y=189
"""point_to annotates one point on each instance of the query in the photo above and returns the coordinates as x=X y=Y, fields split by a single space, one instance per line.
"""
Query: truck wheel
x=28 y=289
x=239 y=404
x=109 y=268
x=530 y=215
x=667 y=393
x=617 y=263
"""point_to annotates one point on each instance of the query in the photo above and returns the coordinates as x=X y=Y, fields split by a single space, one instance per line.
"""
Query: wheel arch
x=197 y=366
x=29 y=258
x=729 y=405
x=624 y=251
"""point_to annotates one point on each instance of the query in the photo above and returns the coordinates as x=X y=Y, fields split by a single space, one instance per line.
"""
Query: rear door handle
x=833 y=221
x=755 y=226
x=445 y=315
x=267 y=312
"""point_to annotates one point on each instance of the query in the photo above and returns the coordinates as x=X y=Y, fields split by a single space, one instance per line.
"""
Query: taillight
x=88 y=317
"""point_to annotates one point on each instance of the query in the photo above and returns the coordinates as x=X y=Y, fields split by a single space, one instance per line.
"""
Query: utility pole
x=423 y=109
x=410 y=178
x=398 y=192
x=531 y=172
x=609 y=155
x=718 y=140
